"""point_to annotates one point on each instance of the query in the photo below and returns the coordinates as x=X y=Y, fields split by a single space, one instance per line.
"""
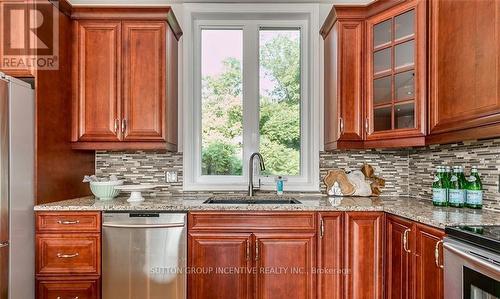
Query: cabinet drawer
x=68 y=254
x=67 y=289
x=251 y=221
x=68 y=221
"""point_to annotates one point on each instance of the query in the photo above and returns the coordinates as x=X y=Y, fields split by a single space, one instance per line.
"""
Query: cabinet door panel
x=398 y=259
x=284 y=265
x=144 y=82
x=350 y=87
x=330 y=255
x=213 y=252
x=363 y=254
x=429 y=276
x=395 y=105
x=343 y=84
x=96 y=104
x=465 y=68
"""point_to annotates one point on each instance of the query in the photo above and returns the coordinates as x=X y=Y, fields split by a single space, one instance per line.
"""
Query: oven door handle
x=471 y=258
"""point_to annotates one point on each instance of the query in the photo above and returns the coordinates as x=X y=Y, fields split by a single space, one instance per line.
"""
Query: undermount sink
x=246 y=200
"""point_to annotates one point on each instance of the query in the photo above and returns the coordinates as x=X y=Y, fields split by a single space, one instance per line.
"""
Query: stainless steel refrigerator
x=17 y=160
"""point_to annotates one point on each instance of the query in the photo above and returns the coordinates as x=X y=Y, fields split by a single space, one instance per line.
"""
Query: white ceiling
x=167 y=2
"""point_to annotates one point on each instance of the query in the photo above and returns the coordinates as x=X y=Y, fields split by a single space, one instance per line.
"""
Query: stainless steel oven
x=472 y=263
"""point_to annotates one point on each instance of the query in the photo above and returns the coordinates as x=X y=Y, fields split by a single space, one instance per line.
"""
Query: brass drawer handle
x=405 y=240
x=256 y=250
x=436 y=254
x=67 y=256
x=66 y=222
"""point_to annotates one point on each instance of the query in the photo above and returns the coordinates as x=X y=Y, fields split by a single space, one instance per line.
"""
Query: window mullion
x=250 y=92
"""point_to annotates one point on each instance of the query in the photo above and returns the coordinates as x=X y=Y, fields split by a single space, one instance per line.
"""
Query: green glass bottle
x=439 y=188
x=474 y=190
x=447 y=176
x=456 y=191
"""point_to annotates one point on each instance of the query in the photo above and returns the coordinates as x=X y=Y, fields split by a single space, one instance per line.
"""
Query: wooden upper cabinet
x=396 y=76
x=343 y=85
x=13 y=27
x=125 y=78
x=216 y=251
x=97 y=60
x=464 y=70
x=284 y=263
x=375 y=75
x=330 y=253
x=429 y=271
x=363 y=254
x=144 y=64
x=399 y=244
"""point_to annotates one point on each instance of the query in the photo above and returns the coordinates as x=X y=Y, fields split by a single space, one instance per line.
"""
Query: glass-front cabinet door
x=396 y=82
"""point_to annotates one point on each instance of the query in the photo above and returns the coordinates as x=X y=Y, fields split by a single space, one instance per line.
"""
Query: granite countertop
x=414 y=209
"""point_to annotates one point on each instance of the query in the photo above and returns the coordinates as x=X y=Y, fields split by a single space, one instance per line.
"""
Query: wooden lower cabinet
x=330 y=268
x=284 y=264
x=68 y=255
x=399 y=258
x=411 y=267
x=67 y=289
x=363 y=254
x=220 y=265
x=429 y=272
x=251 y=255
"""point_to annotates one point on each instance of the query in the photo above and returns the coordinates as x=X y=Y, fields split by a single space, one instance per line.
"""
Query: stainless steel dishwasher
x=144 y=255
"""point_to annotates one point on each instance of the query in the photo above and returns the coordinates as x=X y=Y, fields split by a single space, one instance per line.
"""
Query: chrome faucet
x=251 y=188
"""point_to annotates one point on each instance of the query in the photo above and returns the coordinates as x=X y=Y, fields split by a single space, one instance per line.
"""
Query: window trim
x=209 y=16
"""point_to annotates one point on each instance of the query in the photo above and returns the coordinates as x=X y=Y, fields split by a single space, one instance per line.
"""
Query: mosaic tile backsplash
x=485 y=154
x=406 y=171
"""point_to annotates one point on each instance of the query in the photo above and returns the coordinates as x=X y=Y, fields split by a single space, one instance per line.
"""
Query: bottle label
x=475 y=197
x=436 y=178
x=456 y=196
x=438 y=195
x=454 y=178
x=471 y=178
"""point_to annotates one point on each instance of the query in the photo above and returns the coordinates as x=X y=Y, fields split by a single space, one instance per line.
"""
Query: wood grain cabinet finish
x=125 y=79
x=144 y=63
x=396 y=76
x=343 y=109
x=97 y=79
x=68 y=222
x=215 y=255
x=464 y=70
x=68 y=254
x=412 y=270
x=330 y=255
x=429 y=271
x=275 y=255
x=428 y=75
x=373 y=98
x=67 y=289
x=400 y=245
x=284 y=263
x=363 y=253
x=14 y=27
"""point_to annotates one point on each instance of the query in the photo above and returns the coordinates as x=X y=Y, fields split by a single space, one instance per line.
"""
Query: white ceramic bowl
x=105 y=190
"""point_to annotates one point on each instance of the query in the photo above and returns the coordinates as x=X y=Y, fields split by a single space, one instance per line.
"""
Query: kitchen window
x=252 y=93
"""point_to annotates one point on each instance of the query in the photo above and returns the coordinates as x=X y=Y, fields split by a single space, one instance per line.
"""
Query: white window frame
x=303 y=16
